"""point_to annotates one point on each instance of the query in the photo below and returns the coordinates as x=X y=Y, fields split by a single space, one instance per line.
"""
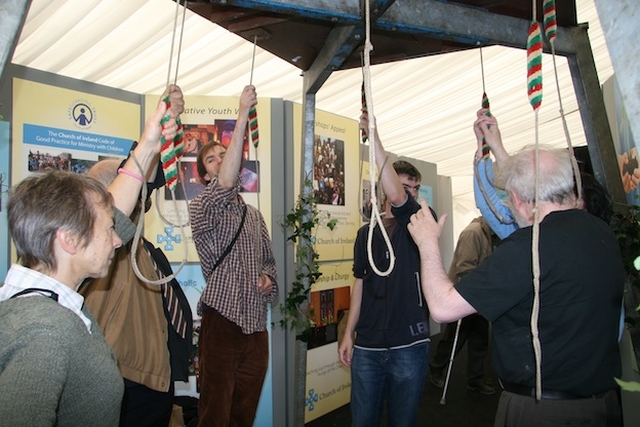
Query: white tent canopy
x=425 y=107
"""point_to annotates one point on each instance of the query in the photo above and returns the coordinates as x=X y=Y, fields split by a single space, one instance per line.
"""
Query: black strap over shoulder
x=44 y=292
x=233 y=241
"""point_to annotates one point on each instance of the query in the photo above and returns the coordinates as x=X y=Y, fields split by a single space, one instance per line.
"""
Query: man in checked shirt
x=241 y=280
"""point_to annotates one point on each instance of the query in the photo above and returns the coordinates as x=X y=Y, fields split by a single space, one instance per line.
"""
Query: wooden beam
x=471 y=26
x=602 y=150
x=337 y=48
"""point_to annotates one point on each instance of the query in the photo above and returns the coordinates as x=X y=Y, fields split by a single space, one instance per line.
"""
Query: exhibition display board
x=70 y=125
x=66 y=129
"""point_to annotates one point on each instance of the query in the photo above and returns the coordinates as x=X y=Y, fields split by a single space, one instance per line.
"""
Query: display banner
x=624 y=141
x=57 y=128
x=335 y=180
x=207 y=119
x=328 y=380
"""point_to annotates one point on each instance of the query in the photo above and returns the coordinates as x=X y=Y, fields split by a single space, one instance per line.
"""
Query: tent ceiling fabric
x=425 y=106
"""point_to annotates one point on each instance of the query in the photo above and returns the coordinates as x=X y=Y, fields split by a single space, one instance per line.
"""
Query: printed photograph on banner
x=328 y=171
x=627 y=151
x=250 y=176
x=328 y=380
x=81 y=166
x=43 y=161
x=190 y=184
x=40 y=162
x=335 y=153
x=326 y=309
x=198 y=135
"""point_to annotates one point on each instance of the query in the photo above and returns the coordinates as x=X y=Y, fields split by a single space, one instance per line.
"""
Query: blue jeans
x=397 y=375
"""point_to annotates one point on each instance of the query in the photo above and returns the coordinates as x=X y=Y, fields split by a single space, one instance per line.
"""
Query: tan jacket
x=131 y=315
x=475 y=243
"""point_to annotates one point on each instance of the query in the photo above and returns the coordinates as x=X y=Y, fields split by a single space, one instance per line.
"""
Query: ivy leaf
x=628 y=385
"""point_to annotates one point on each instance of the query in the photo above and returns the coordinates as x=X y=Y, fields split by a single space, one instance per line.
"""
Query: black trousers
x=143 y=407
x=474 y=329
x=515 y=410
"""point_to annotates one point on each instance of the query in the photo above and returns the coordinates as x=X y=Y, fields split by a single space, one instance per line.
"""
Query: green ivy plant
x=626 y=225
x=302 y=223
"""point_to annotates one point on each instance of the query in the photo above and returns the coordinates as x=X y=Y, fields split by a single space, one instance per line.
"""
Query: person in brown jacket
x=132 y=316
x=475 y=243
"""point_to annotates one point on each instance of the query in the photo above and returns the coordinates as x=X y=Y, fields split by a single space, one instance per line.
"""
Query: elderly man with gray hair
x=581 y=285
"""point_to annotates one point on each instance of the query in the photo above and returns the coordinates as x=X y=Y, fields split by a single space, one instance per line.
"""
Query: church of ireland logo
x=82 y=114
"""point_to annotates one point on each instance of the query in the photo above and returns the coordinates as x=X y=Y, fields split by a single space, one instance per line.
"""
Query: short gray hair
x=555 y=178
x=42 y=204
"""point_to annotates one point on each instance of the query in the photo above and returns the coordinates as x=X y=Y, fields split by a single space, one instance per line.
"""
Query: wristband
x=131 y=174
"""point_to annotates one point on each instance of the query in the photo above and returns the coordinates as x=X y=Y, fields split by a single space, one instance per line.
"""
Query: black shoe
x=482 y=388
x=436 y=379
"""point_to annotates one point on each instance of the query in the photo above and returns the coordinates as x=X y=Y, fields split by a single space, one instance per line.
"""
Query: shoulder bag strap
x=233 y=241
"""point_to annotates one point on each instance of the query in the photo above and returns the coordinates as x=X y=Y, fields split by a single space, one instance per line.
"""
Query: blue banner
x=73 y=140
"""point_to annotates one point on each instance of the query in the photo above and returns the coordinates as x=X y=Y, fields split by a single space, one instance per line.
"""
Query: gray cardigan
x=53 y=372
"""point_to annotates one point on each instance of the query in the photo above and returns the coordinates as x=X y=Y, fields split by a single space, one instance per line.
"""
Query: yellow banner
x=335 y=180
x=205 y=119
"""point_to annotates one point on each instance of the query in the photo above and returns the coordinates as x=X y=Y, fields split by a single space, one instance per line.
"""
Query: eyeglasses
x=410 y=188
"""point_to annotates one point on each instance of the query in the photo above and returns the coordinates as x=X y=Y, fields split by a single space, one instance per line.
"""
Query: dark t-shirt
x=581 y=284
x=393 y=311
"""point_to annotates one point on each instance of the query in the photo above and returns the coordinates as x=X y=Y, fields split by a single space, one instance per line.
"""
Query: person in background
x=386 y=339
x=135 y=320
x=55 y=366
x=475 y=243
x=581 y=287
x=491 y=200
x=238 y=264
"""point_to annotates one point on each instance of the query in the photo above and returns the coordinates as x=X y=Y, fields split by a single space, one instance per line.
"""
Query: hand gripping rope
x=375 y=212
x=485 y=153
x=170 y=154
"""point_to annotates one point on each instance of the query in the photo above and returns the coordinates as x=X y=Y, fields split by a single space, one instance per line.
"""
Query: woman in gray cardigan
x=55 y=367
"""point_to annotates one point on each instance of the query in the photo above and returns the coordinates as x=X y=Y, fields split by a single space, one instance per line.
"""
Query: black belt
x=524 y=390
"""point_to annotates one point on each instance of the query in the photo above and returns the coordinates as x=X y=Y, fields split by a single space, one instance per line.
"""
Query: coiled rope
x=375 y=211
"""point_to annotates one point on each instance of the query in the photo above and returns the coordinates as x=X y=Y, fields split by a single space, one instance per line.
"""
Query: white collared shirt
x=20 y=278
